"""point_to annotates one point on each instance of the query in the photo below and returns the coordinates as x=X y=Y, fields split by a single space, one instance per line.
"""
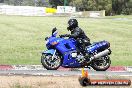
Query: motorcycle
x=63 y=52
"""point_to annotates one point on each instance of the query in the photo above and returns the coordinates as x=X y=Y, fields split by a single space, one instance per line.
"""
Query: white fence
x=41 y=11
x=90 y=14
x=66 y=9
x=32 y=11
x=22 y=10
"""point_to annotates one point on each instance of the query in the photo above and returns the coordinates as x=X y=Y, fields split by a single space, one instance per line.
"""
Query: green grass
x=19 y=85
x=22 y=38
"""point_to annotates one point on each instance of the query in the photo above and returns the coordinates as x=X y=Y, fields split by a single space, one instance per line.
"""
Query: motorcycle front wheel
x=101 y=64
x=49 y=62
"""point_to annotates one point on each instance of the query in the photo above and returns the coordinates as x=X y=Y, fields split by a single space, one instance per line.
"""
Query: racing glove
x=65 y=35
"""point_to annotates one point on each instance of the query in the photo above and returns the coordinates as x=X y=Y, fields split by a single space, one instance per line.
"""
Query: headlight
x=46 y=41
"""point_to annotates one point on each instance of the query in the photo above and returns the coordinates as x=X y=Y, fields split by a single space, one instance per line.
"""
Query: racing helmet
x=72 y=23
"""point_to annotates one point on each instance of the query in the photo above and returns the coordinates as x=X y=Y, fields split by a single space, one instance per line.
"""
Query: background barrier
x=43 y=11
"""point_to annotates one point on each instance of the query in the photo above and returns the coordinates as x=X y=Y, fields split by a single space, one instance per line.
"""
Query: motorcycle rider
x=78 y=34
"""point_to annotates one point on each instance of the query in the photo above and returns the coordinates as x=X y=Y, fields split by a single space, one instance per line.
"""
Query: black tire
x=46 y=64
x=97 y=68
x=84 y=81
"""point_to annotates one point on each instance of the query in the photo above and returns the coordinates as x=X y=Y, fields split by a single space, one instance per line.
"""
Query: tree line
x=26 y=2
x=112 y=7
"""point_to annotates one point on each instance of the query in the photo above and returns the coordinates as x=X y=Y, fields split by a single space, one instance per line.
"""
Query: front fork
x=53 y=55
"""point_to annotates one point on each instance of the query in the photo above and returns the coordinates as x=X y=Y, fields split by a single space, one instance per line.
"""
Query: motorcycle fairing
x=69 y=61
x=66 y=48
x=98 y=46
x=53 y=39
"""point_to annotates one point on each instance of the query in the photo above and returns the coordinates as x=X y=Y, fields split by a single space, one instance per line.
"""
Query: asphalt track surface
x=63 y=73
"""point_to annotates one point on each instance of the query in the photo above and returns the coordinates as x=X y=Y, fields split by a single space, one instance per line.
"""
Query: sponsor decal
x=86 y=81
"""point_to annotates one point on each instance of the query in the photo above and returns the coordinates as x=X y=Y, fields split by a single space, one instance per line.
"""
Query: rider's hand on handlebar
x=65 y=35
x=61 y=36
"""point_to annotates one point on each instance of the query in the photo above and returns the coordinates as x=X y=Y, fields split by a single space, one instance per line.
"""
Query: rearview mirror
x=54 y=31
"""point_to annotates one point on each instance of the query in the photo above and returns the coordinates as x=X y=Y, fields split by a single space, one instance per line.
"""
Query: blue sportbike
x=62 y=51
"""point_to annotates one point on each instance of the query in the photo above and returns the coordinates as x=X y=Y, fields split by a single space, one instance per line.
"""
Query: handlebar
x=65 y=35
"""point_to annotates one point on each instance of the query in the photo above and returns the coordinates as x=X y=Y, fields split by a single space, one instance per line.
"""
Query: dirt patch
x=38 y=82
x=45 y=82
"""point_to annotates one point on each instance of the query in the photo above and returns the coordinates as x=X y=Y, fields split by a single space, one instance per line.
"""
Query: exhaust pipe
x=103 y=53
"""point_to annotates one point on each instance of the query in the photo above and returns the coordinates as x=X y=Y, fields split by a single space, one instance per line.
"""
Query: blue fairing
x=51 y=51
x=69 y=61
x=51 y=40
x=65 y=47
x=98 y=46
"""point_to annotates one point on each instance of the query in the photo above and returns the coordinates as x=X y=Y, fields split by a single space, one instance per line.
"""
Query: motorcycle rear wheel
x=48 y=63
x=104 y=61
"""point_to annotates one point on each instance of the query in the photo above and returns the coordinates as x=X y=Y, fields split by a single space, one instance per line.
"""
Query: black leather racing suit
x=82 y=40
